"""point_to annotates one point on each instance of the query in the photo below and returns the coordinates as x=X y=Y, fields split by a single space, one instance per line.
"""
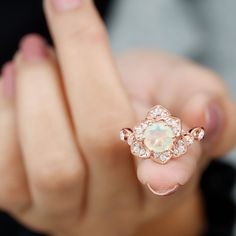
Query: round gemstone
x=158 y=137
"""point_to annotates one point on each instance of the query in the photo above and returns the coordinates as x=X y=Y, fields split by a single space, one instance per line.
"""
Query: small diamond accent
x=176 y=152
x=156 y=155
x=175 y=124
x=176 y=131
x=164 y=114
x=198 y=133
x=158 y=111
x=130 y=139
x=164 y=157
x=147 y=123
x=125 y=133
x=155 y=112
x=201 y=134
x=144 y=153
x=138 y=131
x=144 y=125
x=171 y=122
x=189 y=139
x=122 y=135
x=139 y=151
x=181 y=147
x=180 y=142
x=135 y=149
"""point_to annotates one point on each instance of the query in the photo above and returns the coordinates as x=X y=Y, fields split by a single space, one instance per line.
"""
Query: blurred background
x=203 y=30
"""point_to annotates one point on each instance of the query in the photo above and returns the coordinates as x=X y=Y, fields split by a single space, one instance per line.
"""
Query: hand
x=74 y=176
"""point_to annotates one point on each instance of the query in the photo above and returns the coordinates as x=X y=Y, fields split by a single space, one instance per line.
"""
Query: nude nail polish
x=33 y=47
x=65 y=5
x=213 y=119
x=8 y=74
x=164 y=192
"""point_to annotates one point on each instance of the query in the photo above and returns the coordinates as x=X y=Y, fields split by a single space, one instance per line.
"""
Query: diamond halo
x=160 y=136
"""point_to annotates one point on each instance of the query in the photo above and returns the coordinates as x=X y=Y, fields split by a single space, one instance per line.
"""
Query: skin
x=64 y=170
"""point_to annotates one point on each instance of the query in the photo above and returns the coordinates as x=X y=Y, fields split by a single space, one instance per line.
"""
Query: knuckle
x=106 y=146
x=209 y=78
x=59 y=177
x=107 y=135
x=107 y=127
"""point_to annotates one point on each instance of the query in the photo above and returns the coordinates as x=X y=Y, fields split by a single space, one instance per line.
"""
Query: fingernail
x=8 y=73
x=65 y=5
x=33 y=47
x=213 y=120
x=164 y=192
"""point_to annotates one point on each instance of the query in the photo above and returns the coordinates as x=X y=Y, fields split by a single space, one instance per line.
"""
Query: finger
x=168 y=78
x=54 y=166
x=14 y=193
x=97 y=100
x=205 y=103
x=189 y=91
x=215 y=113
x=167 y=179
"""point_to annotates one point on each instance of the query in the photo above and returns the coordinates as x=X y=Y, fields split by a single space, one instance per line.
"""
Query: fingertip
x=213 y=120
x=165 y=179
x=225 y=141
x=33 y=47
x=65 y=5
x=193 y=112
x=206 y=110
x=164 y=176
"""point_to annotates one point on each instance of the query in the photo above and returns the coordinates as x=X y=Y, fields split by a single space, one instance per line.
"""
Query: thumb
x=215 y=113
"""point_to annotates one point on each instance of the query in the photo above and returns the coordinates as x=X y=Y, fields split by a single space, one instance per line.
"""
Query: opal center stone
x=158 y=137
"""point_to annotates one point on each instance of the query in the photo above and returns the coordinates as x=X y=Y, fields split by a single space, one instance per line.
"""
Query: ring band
x=160 y=136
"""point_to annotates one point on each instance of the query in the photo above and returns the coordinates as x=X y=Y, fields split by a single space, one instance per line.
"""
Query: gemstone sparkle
x=158 y=137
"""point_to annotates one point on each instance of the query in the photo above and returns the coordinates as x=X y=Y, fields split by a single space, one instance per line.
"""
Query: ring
x=160 y=136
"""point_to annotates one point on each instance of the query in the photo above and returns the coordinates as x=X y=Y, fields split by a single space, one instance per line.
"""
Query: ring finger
x=55 y=168
x=14 y=193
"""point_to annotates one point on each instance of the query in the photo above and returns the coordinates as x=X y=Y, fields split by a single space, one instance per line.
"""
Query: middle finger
x=99 y=106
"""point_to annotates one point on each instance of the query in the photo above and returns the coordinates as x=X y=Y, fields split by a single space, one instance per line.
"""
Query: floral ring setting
x=160 y=136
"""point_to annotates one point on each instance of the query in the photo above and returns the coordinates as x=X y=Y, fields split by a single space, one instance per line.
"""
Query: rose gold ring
x=160 y=136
